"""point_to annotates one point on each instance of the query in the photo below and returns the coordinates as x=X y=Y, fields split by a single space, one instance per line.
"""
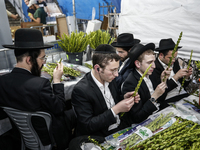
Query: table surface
x=69 y=85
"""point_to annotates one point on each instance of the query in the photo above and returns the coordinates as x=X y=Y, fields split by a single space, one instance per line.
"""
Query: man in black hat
x=151 y=93
x=123 y=46
x=24 y=89
x=165 y=49
x=96 y=100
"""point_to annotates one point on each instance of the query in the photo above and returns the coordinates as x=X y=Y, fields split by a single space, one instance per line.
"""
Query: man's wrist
x=154 y=101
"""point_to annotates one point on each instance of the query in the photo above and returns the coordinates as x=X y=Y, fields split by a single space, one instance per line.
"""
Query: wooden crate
x=62 y=25
x=30 y=24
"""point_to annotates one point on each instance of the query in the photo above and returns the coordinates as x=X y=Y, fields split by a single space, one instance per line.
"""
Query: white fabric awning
x=151 y=21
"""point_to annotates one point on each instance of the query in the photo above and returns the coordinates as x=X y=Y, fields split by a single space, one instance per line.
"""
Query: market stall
x=175 y=127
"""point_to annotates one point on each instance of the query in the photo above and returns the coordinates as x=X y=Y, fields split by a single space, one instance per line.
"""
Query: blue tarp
x=24 y=8
x=117 y=4
x=83 y=8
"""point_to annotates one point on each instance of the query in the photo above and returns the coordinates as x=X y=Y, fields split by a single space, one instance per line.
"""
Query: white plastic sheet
x=153 y=20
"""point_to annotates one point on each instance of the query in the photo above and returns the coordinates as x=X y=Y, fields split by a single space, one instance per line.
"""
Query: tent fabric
x=151 y=21
x=83 y=8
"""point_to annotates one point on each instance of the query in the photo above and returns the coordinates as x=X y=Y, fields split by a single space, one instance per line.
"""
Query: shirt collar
x=163 y=64
x=142 y=74
x=99 y=84
x=125 y=61
x=24 y=69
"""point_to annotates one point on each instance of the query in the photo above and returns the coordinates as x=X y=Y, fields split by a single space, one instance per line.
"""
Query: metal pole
x=74 y=13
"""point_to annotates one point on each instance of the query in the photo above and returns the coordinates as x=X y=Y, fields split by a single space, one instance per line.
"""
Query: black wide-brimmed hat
x=166 y=44
x=27 y=39
x=125 y=40
x=138 y=49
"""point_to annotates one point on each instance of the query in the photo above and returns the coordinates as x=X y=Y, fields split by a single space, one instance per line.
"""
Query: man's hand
x=160 y=89
x=129 y=94
x=165 y=74
x=189 y=73
x=123 y=106
x=57 y=73
x=181 y=73
x=137 y=98
x=31 y=16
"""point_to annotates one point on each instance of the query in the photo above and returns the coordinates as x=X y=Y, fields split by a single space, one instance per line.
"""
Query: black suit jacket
x=170 y=83
x=145 y=107
x=93 y=116
x=123 y=74
x=24 y=91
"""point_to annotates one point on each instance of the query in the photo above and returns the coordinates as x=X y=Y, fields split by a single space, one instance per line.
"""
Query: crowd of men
x=102 y=101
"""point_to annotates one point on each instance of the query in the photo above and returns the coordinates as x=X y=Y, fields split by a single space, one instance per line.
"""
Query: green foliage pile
x=153 y=126
x=99 y=37
x=88 y=65
x=76 y=42
x=66 y=70
x=182 y=135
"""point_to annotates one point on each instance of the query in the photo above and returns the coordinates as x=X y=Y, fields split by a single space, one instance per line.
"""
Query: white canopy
x=153 y=20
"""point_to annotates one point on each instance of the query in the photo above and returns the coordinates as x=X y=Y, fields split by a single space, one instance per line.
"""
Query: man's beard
x=123 y=59
x=35 y=70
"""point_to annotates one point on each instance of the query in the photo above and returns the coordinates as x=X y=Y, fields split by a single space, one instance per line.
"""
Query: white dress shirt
x=175 y=91
x=108 y=99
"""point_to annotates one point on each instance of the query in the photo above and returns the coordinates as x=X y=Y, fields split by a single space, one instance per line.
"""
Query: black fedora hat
x=166 y=44
x=27 y=39
x=125 y=40
x=138 y=49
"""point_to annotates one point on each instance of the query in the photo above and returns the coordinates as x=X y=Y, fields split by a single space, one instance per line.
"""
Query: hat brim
x=166 y=48
x=137 y=50
x=135 y=41
x=39 y=47
x=134 y=54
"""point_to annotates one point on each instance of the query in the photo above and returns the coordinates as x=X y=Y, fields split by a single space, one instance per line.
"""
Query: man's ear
x=161 y=55
x=137 y=64
x=96 y=68
x=28 y=60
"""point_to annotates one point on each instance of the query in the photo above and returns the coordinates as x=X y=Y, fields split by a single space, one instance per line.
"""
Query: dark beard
x=123 y=59
x=35 y=70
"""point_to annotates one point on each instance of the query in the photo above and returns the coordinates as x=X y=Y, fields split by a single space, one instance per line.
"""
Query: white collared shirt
x=175 y=91
x=123 y=64
x=108 y=99
x=150 y=87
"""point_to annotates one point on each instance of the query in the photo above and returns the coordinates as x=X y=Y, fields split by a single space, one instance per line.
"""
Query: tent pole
x=74 y=13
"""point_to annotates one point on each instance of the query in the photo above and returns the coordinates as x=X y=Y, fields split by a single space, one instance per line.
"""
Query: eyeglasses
x=113 y=71
x=43 y=58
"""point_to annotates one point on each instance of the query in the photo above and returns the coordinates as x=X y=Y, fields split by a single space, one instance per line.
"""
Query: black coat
x=123 y=74
x=145 y=107
x=170 y=83
x=24 y=91
x=93 y=116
